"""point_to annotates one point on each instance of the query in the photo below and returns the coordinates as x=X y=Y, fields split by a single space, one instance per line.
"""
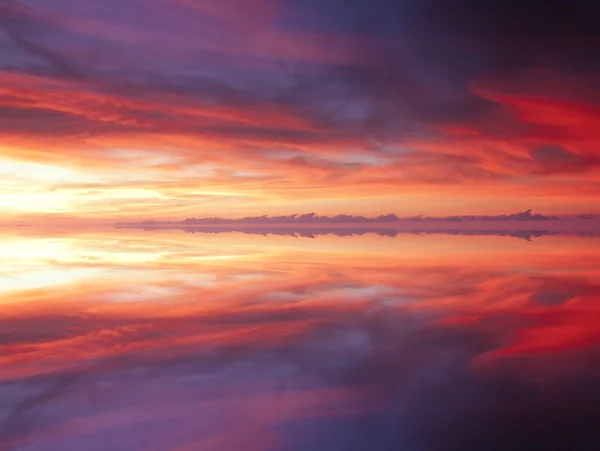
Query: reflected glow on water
x=164 y=341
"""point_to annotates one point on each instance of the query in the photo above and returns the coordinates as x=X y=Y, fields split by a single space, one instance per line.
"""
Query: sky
x=170 y=108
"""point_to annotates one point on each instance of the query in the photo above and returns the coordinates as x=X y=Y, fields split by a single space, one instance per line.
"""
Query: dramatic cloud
x=308 y=103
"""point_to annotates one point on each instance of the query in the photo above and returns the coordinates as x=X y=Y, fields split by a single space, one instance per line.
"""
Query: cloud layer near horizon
x=262 y=105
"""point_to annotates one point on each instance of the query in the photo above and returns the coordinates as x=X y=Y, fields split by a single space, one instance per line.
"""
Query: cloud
x=429 y=94
x=551 y=154
x=557 y=159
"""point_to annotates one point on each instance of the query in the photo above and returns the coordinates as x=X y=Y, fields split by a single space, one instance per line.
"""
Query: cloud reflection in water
x=161 y=341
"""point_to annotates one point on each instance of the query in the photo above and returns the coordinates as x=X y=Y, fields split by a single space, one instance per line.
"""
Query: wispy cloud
x=318 y=102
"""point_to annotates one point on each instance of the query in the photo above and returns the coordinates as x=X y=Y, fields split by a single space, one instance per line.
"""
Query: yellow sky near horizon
x=62 y=192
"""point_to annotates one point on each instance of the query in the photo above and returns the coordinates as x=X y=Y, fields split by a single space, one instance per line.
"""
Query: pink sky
x=172 y=108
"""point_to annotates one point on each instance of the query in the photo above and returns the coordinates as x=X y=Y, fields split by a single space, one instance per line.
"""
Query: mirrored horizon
x=158 y=340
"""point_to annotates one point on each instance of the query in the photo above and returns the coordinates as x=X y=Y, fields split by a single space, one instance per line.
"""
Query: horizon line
x=304 y=218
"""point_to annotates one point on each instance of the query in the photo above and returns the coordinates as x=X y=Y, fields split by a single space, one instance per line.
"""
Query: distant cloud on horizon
x=313 y=218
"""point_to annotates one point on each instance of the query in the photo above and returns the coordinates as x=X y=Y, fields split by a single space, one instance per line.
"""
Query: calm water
x=134 y=340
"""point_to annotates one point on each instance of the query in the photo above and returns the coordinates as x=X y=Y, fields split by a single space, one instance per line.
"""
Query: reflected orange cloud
x=282 y=329
x=125 y=289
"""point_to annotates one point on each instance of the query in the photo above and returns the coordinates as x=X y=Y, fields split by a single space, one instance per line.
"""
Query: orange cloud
x=280 y=117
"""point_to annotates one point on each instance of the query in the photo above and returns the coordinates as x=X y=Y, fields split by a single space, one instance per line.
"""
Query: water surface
x=162 y=340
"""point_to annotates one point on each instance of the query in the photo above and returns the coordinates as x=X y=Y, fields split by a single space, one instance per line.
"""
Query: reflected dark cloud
x=527 y=235
x=554 y=292
x=426 y=357
x=488 y=228
x=412 y=383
